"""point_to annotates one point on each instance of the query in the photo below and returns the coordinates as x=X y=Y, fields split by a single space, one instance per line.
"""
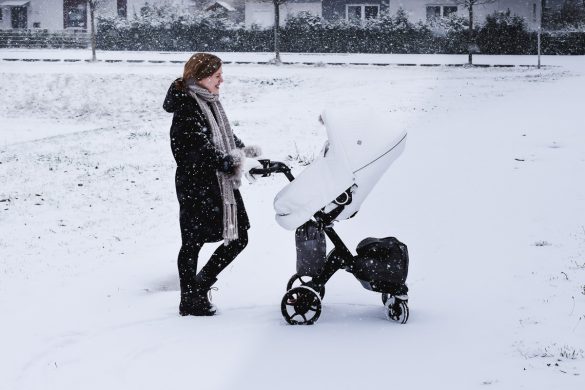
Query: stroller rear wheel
x=396 y=309
x=301 y=306
x=302 y=280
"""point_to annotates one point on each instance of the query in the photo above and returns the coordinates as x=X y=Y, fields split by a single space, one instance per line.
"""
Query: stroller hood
x=361 y=146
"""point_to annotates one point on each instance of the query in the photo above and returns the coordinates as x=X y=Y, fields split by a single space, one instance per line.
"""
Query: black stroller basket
x=381 y=264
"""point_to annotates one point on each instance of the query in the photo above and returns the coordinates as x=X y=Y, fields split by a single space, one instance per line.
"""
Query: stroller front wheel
x=301 y=280
x=396 y=309
x=301 y=306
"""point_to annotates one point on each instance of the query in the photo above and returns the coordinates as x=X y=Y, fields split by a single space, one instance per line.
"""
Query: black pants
x=221 y=258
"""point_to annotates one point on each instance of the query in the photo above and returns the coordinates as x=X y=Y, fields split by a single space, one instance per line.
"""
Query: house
x=52 y=14
x=74 y=14
x=261 y=12
x=424 y=10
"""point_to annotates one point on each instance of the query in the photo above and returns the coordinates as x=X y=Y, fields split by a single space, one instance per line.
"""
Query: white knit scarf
x=223 y=139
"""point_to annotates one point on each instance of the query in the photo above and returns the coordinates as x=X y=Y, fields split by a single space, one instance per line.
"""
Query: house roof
x=222 y=4
x=14 y=3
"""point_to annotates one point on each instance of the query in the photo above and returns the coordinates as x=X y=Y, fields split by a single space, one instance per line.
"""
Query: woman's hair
x=198 y=67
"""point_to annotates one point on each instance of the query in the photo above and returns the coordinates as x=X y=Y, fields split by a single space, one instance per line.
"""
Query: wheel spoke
x=304 y=318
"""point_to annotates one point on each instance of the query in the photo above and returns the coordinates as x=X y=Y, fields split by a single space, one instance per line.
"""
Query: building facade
x=261 y=12
x=423 y=10
x=74 y=14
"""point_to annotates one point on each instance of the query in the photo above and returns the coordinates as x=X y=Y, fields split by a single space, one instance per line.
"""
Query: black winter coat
x=198 y=160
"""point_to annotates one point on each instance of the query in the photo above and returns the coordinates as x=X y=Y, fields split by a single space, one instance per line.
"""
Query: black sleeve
x=192 y=146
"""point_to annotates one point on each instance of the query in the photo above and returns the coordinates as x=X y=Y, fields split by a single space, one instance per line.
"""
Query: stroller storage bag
x=311 y=249
x=381 y=262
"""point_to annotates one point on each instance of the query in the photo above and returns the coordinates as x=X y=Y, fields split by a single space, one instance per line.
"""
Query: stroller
x=359 y=149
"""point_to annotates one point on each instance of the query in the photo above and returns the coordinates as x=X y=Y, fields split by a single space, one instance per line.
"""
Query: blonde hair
x=198 y=67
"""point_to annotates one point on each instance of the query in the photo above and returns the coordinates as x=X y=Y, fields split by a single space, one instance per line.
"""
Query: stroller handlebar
x=269 y=167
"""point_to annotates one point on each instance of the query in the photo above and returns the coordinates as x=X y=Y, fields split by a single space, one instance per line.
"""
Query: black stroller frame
x=301 y=304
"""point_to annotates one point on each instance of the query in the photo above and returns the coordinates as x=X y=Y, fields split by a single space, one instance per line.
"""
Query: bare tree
x=277 y=4
x=93 y=4
x=469 y=4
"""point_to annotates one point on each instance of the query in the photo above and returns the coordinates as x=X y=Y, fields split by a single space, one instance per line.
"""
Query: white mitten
x=238 y=159
x=252 y=151
x=250 y=163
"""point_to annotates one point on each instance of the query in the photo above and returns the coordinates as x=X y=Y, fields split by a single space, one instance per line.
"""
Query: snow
x=488 y=196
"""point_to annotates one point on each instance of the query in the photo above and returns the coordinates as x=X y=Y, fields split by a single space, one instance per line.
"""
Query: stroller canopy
x=361 y=146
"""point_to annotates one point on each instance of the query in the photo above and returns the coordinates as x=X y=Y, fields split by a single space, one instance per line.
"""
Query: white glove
x=252 y=151
x=238 y=159
x=250 y=163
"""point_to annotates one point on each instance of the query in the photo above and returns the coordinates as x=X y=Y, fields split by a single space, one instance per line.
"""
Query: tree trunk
x=92 y=22
x=276 y=31
x=470 y=38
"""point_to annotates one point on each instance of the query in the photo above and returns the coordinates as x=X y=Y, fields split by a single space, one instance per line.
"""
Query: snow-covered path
x=488 y=196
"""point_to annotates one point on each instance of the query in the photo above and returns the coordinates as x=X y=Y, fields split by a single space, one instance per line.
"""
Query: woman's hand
x=252 y=151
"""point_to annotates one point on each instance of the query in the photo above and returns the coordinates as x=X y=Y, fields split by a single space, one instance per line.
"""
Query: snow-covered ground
x=489 y=197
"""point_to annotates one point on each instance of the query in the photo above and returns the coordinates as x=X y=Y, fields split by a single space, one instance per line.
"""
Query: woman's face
x=212 y=82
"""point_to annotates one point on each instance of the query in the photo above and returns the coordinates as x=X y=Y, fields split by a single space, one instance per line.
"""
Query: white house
x=261 y=12
x=72 y=14
x=422 y=10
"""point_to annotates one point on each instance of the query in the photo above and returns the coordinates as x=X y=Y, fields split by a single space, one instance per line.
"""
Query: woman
x=209 y=161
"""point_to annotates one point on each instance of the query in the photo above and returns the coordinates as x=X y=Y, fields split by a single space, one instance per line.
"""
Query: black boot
x=187 y=305
x=203 y=307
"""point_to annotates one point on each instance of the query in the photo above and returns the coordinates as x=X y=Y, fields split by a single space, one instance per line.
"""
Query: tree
x=469 y=4
x=277 y=4
x=92 y=8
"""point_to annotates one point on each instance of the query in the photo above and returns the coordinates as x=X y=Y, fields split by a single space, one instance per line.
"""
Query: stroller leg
x=333 y=264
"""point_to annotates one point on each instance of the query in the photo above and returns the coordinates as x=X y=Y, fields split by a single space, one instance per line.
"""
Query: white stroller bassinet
x=361 y=146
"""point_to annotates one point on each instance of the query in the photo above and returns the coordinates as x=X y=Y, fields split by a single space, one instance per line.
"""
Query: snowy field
x=489 y=196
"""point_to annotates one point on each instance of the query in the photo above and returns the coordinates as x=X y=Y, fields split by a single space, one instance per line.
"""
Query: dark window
x=19 y=17
x=534 y=12
x=354 y=12
x=37 y=25
x=447 y=11
x=371 y=11
x=433 y=11
x=123 y=8
x=358 y=13
x=0 y=13
x=75 y=13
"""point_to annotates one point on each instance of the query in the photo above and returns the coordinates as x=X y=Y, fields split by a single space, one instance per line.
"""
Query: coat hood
x=176 y=98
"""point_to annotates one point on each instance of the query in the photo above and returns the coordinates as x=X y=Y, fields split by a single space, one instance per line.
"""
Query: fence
x=38 y=38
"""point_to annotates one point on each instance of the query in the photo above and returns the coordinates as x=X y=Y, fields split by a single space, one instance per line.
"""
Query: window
x=354 y=12
x=433 y=12
x=448 y=11
x=440 y=11
x=123 y=8
x=0 y=14
x=534 y=12
x=361 y=12
x=75 y=13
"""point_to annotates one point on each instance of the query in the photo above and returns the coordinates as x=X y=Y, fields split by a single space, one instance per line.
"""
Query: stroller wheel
x=301 y=306
x=301 y=280
x=396 y=310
